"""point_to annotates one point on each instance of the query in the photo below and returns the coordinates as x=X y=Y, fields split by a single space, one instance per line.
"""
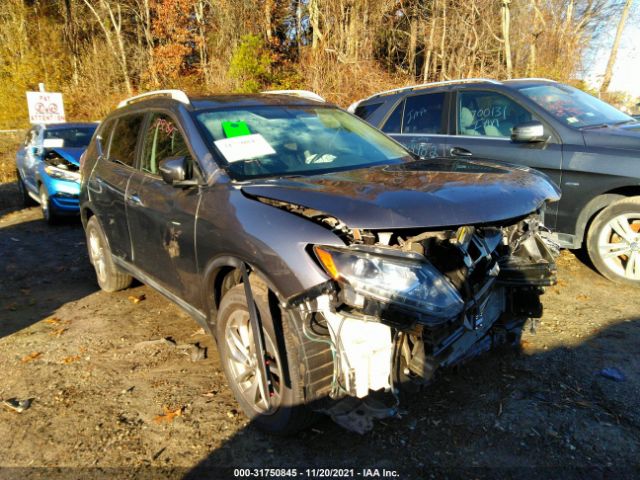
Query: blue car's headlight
x=411 y=282
x=62 y=174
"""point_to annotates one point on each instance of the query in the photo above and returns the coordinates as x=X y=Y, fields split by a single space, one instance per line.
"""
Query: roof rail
x=297 y=93
x=178 y=95
x=436 y=84
x=535 y=78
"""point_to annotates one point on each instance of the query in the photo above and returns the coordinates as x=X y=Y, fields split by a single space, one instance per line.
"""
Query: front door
x=483 y=123
x=162 y=217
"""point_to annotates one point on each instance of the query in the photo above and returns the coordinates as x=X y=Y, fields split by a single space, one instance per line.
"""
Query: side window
x=423 y=113
x=124 y=139
x=488 y=114
x=162 y=139
x=394 y=122
x=365 y=111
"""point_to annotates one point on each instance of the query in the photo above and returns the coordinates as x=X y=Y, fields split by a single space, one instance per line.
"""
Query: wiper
x=624 y=122
x=597 y=125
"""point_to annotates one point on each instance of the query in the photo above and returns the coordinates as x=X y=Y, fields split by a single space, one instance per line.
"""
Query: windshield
x=76 y=137
x=574 y=107
x=291 y=140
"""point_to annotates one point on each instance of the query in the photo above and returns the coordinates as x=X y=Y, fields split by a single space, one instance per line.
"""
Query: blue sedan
x=48 y=167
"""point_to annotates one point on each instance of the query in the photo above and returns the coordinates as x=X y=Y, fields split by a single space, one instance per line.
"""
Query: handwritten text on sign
x=45 y=107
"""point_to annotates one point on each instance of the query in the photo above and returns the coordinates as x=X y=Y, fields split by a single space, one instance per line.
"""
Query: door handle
x=135 y=200
x=460 y=152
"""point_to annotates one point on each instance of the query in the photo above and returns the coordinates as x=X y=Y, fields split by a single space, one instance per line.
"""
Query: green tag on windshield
x=235 y=129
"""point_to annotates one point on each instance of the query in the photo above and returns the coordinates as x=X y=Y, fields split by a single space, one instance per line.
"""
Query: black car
x=587 y=147
x=330 y=263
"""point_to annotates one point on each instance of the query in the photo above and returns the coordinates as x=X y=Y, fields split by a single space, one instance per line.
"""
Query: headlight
x=62 y=174
x=414 y=283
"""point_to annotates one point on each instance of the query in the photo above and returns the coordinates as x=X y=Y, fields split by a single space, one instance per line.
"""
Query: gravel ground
x=108 y=403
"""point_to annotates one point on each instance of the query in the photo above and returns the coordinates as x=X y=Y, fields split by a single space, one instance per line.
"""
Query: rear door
x=162 y=217
x=482 y=123
x=110 y=178
x=419 y=122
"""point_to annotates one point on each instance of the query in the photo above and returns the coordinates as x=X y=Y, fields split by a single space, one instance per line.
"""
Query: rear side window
x=365 y=111
x=423 y=114
x=394 y=122
x=162 y=140
x=124 y=139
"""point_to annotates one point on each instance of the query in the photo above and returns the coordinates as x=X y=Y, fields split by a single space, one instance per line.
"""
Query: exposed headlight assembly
x=61 y=174
x=411 y=282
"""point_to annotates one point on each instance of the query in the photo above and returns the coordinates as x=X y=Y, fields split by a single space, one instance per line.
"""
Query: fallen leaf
x=70 y=359
x=168 y=415
x=582 y=297
x=137 y=298
x=58 y=331
x=32 y=356
x=54 y=321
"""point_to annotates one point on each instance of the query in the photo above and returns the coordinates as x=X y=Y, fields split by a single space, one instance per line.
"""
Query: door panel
x=110 y=179
x=162 y=217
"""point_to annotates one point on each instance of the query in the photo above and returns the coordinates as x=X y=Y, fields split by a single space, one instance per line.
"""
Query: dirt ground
x=107 y=405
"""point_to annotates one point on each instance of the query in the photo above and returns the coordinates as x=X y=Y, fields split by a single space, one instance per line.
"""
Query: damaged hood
x=427 y=193
x=70 y=154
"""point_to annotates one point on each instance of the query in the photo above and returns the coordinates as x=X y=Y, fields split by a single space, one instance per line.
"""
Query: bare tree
x=614 y=48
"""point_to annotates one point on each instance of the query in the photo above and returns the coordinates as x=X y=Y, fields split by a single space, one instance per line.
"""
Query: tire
x=25 y=198
x=48 y=213
x=613 y=241
x=287 y=414
x=110 y=278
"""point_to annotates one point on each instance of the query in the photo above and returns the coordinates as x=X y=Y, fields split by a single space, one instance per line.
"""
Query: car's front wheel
x=613 y=241
x=281 y=409
x=48 y=213
x=109 y=276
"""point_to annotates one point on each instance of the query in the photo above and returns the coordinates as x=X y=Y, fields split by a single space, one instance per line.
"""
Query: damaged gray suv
x=332 y=266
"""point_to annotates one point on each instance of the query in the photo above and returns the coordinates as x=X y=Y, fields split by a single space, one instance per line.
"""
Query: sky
x=626 y=72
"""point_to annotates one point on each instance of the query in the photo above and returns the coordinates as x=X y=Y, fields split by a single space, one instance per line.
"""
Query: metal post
x=41 y=87
x=258 y=337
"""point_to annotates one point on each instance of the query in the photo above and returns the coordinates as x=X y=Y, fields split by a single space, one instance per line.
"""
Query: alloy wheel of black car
x=26 y=199
x=286 y=412
x=109 y=276
x=613 y=241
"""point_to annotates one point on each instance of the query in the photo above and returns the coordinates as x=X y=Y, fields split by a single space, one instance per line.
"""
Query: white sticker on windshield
x=244 y=147
x=53 y=143
x=572 y=119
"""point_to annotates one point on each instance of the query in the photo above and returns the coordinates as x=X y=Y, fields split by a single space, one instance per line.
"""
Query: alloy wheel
x=96 y=251
x=244 y=367
x=619 y=245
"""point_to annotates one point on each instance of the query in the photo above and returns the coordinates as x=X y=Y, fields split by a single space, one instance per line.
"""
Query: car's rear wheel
x=109 y=276
x=613 y=241
x=48 y=213
x=26 y=199
x=280 y=410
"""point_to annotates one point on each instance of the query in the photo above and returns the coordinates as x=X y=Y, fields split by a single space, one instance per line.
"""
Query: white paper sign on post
x=45 y=107
x=244 y=147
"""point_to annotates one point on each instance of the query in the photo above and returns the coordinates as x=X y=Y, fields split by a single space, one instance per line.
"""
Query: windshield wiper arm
x=596 y=125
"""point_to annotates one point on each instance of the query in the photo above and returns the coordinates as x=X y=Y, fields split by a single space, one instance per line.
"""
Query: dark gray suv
x=331 y=265
x=587 y=147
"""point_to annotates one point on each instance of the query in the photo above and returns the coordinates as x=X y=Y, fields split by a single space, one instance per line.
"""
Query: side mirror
x=173 y=169
x=528 y=132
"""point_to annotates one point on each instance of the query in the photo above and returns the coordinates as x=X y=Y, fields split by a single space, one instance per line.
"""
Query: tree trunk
x=614 y=49
x=413 y=44
x=506 y=36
